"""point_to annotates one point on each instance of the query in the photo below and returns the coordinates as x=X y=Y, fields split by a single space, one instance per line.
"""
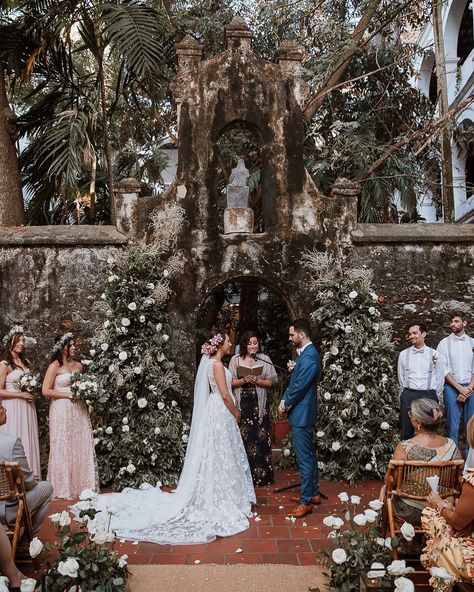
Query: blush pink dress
x=22 y=422
x=72 y=462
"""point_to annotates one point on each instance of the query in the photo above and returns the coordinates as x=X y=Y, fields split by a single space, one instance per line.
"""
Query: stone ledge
x=64 y=235
x=413 y=233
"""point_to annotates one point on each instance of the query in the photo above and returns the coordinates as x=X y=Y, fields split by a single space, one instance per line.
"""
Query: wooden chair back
x=12 y=489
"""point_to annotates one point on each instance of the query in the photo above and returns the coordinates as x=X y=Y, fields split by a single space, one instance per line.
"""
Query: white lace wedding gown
x=215 y=491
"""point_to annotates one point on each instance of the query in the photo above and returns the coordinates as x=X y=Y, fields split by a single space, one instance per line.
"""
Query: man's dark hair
x=302 y=325
x=423 y=328
x=458 y=313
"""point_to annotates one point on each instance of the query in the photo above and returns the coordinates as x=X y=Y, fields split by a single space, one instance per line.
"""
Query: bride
x=215 y=491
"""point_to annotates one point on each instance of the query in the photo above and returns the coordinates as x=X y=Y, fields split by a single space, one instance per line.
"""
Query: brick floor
x=273 y=539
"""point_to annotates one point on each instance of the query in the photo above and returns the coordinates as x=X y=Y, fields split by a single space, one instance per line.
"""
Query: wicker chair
x=12 y=489
x=407 y=480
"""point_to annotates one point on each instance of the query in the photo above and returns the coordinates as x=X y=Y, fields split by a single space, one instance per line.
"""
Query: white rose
x=339 y=556
x=360 y=388
x=142 y=403
x=319 y=434
x=150 y=286
x=384 y=425
x=161 y=405
x=103 y=296
x=360 y=519
x=329 y=521
x=95 y=525
x=157 y=431
x=125 y=420
x=36 y=546
x=125 y=428
x=55 y=518
x=404 y=585
x=184 y=438
x=355 y=500
x=28 y=585
x=368 y=467
x=334 y=350
x=384 y=542
x=356 y=361
x=111 y=368
x=377 y=570
x=441 y=573
x=348 y=328
x=350 y=433
x=371 y=516
x=174 y=403
x=122 y=562
x=123 y=356
x=372 y=310
x=137 y=370
x=132 y=306
x=83 y=506
x=69 y=568
x=104 y=346
x=335 y=446
x=125 y=322
x=88 y=494
x=398 y=567
x=407 y=531
x=338 y=523
x=327 y=396
x=102 y=536
x=343 y=496
x=64 y=518
x=165 y=273
x=109 y=430
x=376 y=505
x=142 y=319
x=131 y=468
x=353 y=294
x=165 y=337
x=159 y=326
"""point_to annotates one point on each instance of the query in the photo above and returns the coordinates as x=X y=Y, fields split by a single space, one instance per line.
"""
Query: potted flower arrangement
x=82 y=558
x=360 y=559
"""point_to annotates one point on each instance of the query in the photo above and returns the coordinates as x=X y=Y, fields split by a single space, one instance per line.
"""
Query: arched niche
x=453 y=26
x=465 y=43
x=248 y=303
x=428 y=83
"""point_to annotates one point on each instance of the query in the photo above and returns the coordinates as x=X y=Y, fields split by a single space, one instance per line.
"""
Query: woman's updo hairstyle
x=427 y=412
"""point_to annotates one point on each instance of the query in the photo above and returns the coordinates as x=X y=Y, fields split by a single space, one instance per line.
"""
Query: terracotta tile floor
x=273 y=539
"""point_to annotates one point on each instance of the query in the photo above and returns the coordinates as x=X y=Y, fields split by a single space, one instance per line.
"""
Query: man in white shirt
x=456 y=353
x=419 y=373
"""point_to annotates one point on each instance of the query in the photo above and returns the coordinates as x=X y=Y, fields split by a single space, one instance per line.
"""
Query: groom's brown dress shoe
x=315 y=500
x=301 y=510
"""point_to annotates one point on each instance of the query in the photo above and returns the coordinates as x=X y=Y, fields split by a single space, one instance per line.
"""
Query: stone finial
x=189 y=53
x=289 y=58
x=345 y=188
x=237 y=34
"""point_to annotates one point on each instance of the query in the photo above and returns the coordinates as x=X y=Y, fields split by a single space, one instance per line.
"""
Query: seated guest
x=38 y=493
x=426 y=445
x=449 y=531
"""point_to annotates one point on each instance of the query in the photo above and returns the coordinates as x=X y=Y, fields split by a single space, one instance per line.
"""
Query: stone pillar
x=289 y=58
x=237 y=35
x=126 y=201
x=238 y=217
x=189 y=54
x=340 y=215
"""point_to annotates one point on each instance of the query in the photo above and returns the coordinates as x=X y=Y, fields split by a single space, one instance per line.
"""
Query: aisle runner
x=225 y=578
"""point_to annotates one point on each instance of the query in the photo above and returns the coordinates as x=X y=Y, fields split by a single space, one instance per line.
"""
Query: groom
x=299 y=401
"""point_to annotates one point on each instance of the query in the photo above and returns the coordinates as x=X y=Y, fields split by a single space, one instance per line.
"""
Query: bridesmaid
x=72 y=463
x=19 y=405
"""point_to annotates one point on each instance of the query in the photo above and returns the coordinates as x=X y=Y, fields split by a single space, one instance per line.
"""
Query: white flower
x=329 y=521
x=362 y=402
x=104 y=346
x=334 y=350
x=404 y=585
x=441 y=573
x=365 y=412
x=372 y=310
x=150 y=286
x=160 y=357
x=137 y=370
x=184 y=438
x=129 y=395
x=360 y=388
x=377 y=570
x=407 y=531
x=69 y=568
x=350 y=433
x=335 y=446
x=376 y=505
x=112 y=510
x=103 y=296
x=83 y=506
x=348 y=328
x=64 y=518
x=353 y=294
x=109 y=430
x=174 y=403
x=157 y=431
x=123 y=356
x=161 y=405
x=165 y=337
x=374 y=296
x=368 y=467
x=142 y=403
x=112 y=278
x=55 y=518
x=125 y=428
x=36 y=546
x=371 y=515
x=142 y=318
x=356 y=361
x=95 y=525
x=290 y=365
x=122 y=562
x=125 y=420
x=132 y=306
x=29 y=585
x=355 y=500
x=339 y=556
x=88 y=495
x=343 y=496
x=165 y=273
x=360 y=519
x=159 y=326
x=319 y=434
x=327 y=396
x=384 y=542
x=384 y=425
x=338 y=523
x=125 y=322
x=131 y=468
x=398 y=567
x=102 y=536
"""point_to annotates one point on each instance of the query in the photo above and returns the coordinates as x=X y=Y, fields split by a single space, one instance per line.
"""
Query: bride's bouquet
x=28 y=383
x=84 y=388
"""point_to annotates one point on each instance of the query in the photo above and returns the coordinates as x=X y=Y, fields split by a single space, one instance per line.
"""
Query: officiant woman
x=251 y=378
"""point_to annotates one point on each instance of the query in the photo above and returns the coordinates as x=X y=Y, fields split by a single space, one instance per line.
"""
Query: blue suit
x=301 y=404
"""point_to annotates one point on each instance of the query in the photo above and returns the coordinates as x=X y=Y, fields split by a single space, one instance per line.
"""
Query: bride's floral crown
x=210 y=347
x=61 y=342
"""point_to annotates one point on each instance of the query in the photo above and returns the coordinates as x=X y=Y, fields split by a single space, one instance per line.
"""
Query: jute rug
x=225 y=578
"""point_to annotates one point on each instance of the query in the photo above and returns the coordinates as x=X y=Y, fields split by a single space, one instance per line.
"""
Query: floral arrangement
x=83 y=558
x=139 y=426
x=27 y=585
x=61 y=342
x=28 y=382
x=359 y=551
x=84 y=388
x=210 y=347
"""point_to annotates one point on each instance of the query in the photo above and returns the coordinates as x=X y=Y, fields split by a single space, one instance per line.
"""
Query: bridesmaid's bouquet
x=84 y=388
x=28 y=383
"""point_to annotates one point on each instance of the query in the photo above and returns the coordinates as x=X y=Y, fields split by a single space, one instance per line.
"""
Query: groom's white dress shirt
x=420 y=370
x=457 y=356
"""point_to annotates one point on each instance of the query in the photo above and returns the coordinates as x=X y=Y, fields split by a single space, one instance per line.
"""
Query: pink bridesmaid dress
x=72 y=462
x=23 y=423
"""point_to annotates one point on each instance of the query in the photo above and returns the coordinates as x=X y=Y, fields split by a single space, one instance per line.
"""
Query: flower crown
x=13 y=331
x=61 y=342
x=210 y=347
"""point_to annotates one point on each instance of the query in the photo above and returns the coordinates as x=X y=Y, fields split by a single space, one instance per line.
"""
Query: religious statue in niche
x=239 y=176
x=237 y=189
